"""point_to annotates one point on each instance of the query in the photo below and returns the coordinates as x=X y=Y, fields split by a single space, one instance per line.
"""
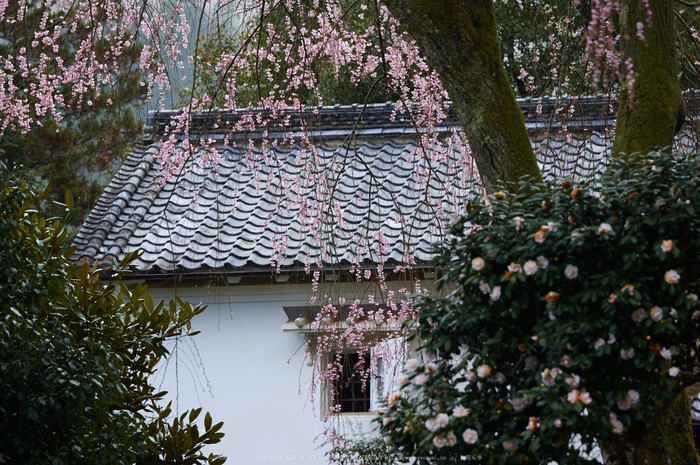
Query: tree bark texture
x=652 y=111
x=459 y=41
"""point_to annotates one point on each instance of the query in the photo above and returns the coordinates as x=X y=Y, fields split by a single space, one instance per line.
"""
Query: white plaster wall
x=259 y=382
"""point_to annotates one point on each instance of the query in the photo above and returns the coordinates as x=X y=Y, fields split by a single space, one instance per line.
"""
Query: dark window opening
x=351 y=394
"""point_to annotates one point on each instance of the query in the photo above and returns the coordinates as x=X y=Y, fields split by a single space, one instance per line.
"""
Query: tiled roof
x=256 y=210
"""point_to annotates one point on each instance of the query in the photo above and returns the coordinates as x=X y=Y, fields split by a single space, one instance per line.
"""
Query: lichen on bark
x=459 y=40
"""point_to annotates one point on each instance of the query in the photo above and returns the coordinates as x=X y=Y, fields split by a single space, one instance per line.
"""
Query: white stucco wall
x=258 y=378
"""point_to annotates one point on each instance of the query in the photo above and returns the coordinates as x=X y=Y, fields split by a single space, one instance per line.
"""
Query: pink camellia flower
x=431 y=368
x=695 y=315
x=454 y=219
x=557 y=423
x=552 y=227
x=517 y=403
x=515 y=268
x=672 y=277
x=616 y=424
x=692 y=297
x=539 y=237
x=542 y=262
x=387 y=420
x=549 y=376
x=665 y=353
x=566 y=361
x=499 y=378
x=599 y=343
x=624 y=403
x=470 y=436
x=402 y=379
x=627 y=354
x=585 y=398
x=673 y=313
x=530 y=361
x=611 y=338
x=667 y=245
x=495 y=293
x=450 y=440
x=478 y=264
x=572 y=397
x=510 y=446
x=518 y=222
x=439 y=441
x=629 y=288
x=485 y=288
x=604 y=228
x=470 y=375
x=483 y=371
x=530 y=267
x=573 y=381
x=639 y=315
x=460 y=412
x=420 y=379
x=571 y=271
x=673 y=372
x=657 y=314
x=412 y=364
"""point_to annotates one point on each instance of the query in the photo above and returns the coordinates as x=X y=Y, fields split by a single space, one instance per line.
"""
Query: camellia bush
x=572 y=320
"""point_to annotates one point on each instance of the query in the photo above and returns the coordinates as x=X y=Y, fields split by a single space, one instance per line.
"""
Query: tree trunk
x=459 y=41
x=652 y=111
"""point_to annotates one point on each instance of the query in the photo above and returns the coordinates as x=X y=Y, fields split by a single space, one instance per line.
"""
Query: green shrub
x=76 y=353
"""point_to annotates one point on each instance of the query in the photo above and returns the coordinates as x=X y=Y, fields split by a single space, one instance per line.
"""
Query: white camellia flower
x=624 y=404
x=542 y=262
x=470 y=375
x=439 y=441
x=667 y=245
x=657 y=314
x=611 y=338
x=599 y=343
x=672 y=277
x=673 y=372
x=530 y=267
x=470 y=436
x=478 y=264
x=633 y=396
x=571 y=271
x=557 y=423
x=627 y=354
x=431 y=424
x=402 y=379
x=431 y=368
x=665 y=353
x=510 y=446
x=585 y=398
x=442 y=420
x=566 y=361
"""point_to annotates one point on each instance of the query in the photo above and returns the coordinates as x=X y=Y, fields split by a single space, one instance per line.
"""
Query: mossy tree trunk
x=459 y=41
x=650 y=114
x=652 y=111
